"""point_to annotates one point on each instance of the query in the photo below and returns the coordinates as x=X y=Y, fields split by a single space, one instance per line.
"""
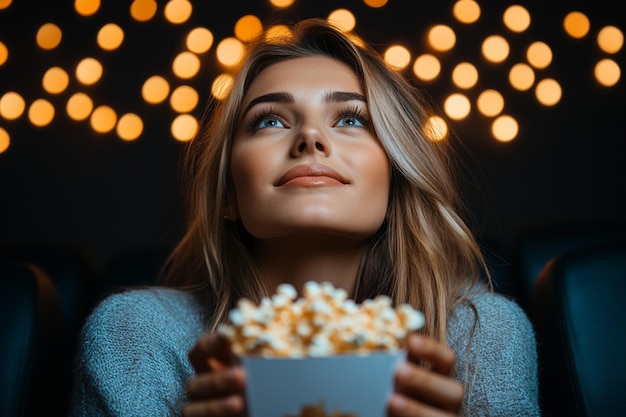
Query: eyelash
x=271 y=113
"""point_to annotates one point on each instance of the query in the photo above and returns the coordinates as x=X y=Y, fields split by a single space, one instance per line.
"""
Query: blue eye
x=350 y=121
x=268 y=122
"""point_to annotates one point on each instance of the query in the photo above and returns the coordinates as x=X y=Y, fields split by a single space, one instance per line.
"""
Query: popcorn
x=323 y=322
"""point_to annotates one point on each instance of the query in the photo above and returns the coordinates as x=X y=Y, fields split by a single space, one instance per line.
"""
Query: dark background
x=67 y=185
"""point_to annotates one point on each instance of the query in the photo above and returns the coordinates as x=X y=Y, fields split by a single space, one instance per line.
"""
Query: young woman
x=316 y=167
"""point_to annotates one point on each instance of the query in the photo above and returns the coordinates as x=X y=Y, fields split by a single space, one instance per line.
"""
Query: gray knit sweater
x=133 y=361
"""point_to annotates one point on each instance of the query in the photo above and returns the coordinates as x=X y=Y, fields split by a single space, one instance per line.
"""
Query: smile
x=311 y=176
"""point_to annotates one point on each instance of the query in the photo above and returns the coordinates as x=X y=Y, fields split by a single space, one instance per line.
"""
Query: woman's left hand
x=426 y=391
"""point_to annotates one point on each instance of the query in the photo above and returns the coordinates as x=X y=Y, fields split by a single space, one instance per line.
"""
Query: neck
x=311 y=258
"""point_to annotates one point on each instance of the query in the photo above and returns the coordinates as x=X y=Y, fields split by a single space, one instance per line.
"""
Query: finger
x=429 y=387
x=211 y=352
x=229 y=406
x=217 y=384
x=441 y=357
x=402 y=406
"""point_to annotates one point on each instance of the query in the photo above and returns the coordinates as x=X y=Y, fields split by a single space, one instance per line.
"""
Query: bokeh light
x=342 y=19
x=548 y=92
x=186 y=65
x=5 y=140
x=375 y=3
x=143 y=10
x=184 y=99
x=155 y=89
x=441 y=38
x=516 y=18
x=282 y=3
x=86 y=7
x=221 y=86
x=607 y=72
x=466 y=11
x=12 y=105
x=539 y=55
x=41 y=112
x=184 y=127
x=110 y=37
x=521 y=77
x=129 y=127
x=576 y=24
x=505 y=128
x=457 y=106
x=199 y=40
x=79 y=106
x=103 y=119
x=229 y=51
x=178 y=11
x=55 y=80
x=248 y=27
x=4 y=53
x=465 y=75
x=495 y=48
x=427 y=67
x=89 y=71
x=436 y=128
x=397 y=56
x=610 y=39
x=490 y=103
x=5 y=3
x=49 y=36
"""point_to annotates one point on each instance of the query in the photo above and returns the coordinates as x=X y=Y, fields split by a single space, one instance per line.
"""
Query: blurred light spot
x=248 y=27
x=610 y=39
x=5 y=3
x=110 y=37
x=441 y=38
x=129 y=127
x=375 y=3
x=41 y=112
x=49 y=36
x=576 y=24
x=282 y=3
x=435 y=128
x=358 y=41
x=504 y=128
x=465 y=75
x=457 y=106
x=397 y=56
x=539 y=55
x=548 y=92
x=12 y=105
x=184 y=127
x=4 y=53
x=276 y=33
x=495 y=48
x=184 y=99
x=88 y=71
x=521 y=77
x=516 y=18
x=490 y=103
x=55 y=80
x=607 y=72
x=79 y=106
x=86 y=7
x=221 y=86
x=103 y=119
x=178 y=11
x=426 y=67
x=466 y=11
x=199 y=40
x=342 y=19
x=186 y=65
x=155 y=90
x=143 y=10
x=229 y=51
x=5 y=140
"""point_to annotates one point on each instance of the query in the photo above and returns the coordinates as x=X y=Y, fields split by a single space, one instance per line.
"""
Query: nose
x=310 y=140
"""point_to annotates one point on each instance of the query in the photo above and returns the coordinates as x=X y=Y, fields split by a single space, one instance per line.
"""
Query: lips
x=311 y=174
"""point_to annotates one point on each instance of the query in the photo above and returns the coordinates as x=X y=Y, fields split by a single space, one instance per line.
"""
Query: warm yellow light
x=358 y=41
x=466 y=11
x=49 y=36
x=79 y=106
x=539 y=55
x=548 y=92
x=375 y=3
x=184 y=127
x=110 y=37
x=199 y=40
x=186 y=65
x=610 y=39
x=5 y=140
x=12 y=105
x=4 y=53
x=490 y=103
x=607 y=72
x=178 y=11
x=221 y=86
x=521 y=76
x=88 y=71
x=441 y=38
x=86 y=7
x=55 y=80
x=41 y=112
x=397 y=56
x=248 y=27
x=576 y=24
x=282 y=3
x=103 y=119
x=155 y=89
x=457 y=106
x=184 y=99
x=505 y=128
x=143 y=10
x=495 y=48
x=435 y=128
x=465 y=75
x=427 y=67
x=516 y=18
x=129 y=127
x=5 y=3
x=229 y=51
x=276 y=33
x=342 y=19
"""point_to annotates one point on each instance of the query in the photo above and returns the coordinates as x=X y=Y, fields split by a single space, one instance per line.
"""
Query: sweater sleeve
x=496 y=357
x=132 y=360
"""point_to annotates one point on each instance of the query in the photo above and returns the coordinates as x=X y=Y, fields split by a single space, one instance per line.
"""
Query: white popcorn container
x=342 y=385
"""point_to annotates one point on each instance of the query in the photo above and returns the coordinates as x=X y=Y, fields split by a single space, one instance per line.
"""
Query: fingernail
x=397 y=403
x=403 y=371
x=416 y=342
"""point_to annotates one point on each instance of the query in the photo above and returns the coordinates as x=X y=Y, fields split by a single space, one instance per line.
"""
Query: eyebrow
x=329 y=97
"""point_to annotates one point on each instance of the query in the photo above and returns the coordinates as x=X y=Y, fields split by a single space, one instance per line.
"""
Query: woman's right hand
x=218 y=386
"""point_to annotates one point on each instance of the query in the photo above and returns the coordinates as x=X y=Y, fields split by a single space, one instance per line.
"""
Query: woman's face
x=305 y=158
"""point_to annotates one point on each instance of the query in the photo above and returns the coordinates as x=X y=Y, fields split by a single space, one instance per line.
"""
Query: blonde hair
x=423 y=254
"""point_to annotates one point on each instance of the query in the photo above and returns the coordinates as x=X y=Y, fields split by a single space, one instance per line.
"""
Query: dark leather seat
x=578 y=306
x=31 y=328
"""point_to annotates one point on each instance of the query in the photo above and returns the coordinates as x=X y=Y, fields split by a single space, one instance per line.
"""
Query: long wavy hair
x=424 y=253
